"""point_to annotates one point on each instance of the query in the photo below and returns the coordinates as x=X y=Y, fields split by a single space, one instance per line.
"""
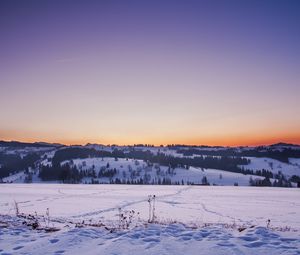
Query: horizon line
x=150 y=144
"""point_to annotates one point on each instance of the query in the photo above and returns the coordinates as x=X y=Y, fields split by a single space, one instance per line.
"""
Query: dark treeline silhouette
x=280 y=181
x=77 y=152
x=65 y=173
x=223 y=163
x=11 y=163
x=144 y=145
x=261 y=183
x=295 y=179
x=104 y=172
x=281 y=155
x=179 y=146
x=16 y=144
x=264 y=172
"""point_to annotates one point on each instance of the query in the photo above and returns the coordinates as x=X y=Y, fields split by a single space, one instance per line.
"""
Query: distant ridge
x=45 y=144
x=35 y=144
x=284 y=144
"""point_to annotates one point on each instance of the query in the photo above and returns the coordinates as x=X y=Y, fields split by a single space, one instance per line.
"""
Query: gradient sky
x=159 y=72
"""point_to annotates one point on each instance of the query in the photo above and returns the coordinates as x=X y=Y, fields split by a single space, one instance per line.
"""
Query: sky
x=158 y=72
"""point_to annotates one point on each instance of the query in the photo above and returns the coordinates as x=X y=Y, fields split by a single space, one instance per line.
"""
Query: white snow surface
x=273 y=165
x=189 y=219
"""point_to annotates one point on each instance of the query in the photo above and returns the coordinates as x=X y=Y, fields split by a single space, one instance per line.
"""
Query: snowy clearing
x=188 y=218
x=274 y=165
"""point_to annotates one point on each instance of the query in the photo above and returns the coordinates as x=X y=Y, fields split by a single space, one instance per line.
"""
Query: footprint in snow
x=275 y=243
x=226 y=244
x=17 y=248
x=204 y=234
x=197 y=237
x=59 y=252
x=151 y=239
x=186 y=236
x=248 y=238
x=53 y=240
x=254 y=244
x=288 y=240
x=134 y=236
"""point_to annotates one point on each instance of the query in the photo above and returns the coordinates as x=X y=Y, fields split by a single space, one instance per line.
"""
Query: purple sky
x=197 y=72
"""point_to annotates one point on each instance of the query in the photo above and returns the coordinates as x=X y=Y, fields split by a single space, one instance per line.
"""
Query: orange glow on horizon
x=226 y=141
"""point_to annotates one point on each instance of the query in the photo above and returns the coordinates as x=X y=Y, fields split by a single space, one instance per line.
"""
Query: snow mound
x=150 y=239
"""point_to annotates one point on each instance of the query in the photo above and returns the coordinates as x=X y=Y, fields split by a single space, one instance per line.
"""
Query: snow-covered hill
x=129 y=170
x=273 y=165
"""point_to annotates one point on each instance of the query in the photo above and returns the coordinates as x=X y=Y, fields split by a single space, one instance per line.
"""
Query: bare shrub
x=126 y=218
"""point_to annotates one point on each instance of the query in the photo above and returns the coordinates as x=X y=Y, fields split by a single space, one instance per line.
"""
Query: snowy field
x=188 y=219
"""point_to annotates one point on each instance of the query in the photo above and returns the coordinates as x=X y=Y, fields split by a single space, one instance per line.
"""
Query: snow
x=23 y=151
x=125 y=167
x=214 y=176
x=142 y=171
x=193 y=174
x=187 y=203
x=18 y=177
x=154 y=239
x=274 y=165
x=189 y=219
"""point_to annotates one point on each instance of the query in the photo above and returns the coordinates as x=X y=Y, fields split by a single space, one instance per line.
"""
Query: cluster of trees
x=11 y=163
x=144 y=145
x=282 y=155
x=226 y=163
x=28 y=178
x=77 y=152
x=65 y=173
x=69 y=173
x=296 y=179
x=159 y=181
x=258 y=182
x=263 y=172
x=106 y=172
x=281 y=182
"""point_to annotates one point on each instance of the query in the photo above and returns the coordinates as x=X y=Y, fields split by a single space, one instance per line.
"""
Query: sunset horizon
x=153 y=143
x=150 y=127
x=116 y=72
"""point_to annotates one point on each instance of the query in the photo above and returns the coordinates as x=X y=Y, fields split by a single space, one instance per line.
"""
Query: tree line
x=10 y=163
x=227 y=163
x=281 y=155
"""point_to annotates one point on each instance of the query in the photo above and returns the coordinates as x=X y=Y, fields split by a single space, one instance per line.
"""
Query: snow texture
x=189 y=219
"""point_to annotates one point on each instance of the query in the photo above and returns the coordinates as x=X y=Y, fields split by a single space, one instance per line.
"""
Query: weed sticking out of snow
x=151 y=202
x=16 y=207
x=127 y=219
